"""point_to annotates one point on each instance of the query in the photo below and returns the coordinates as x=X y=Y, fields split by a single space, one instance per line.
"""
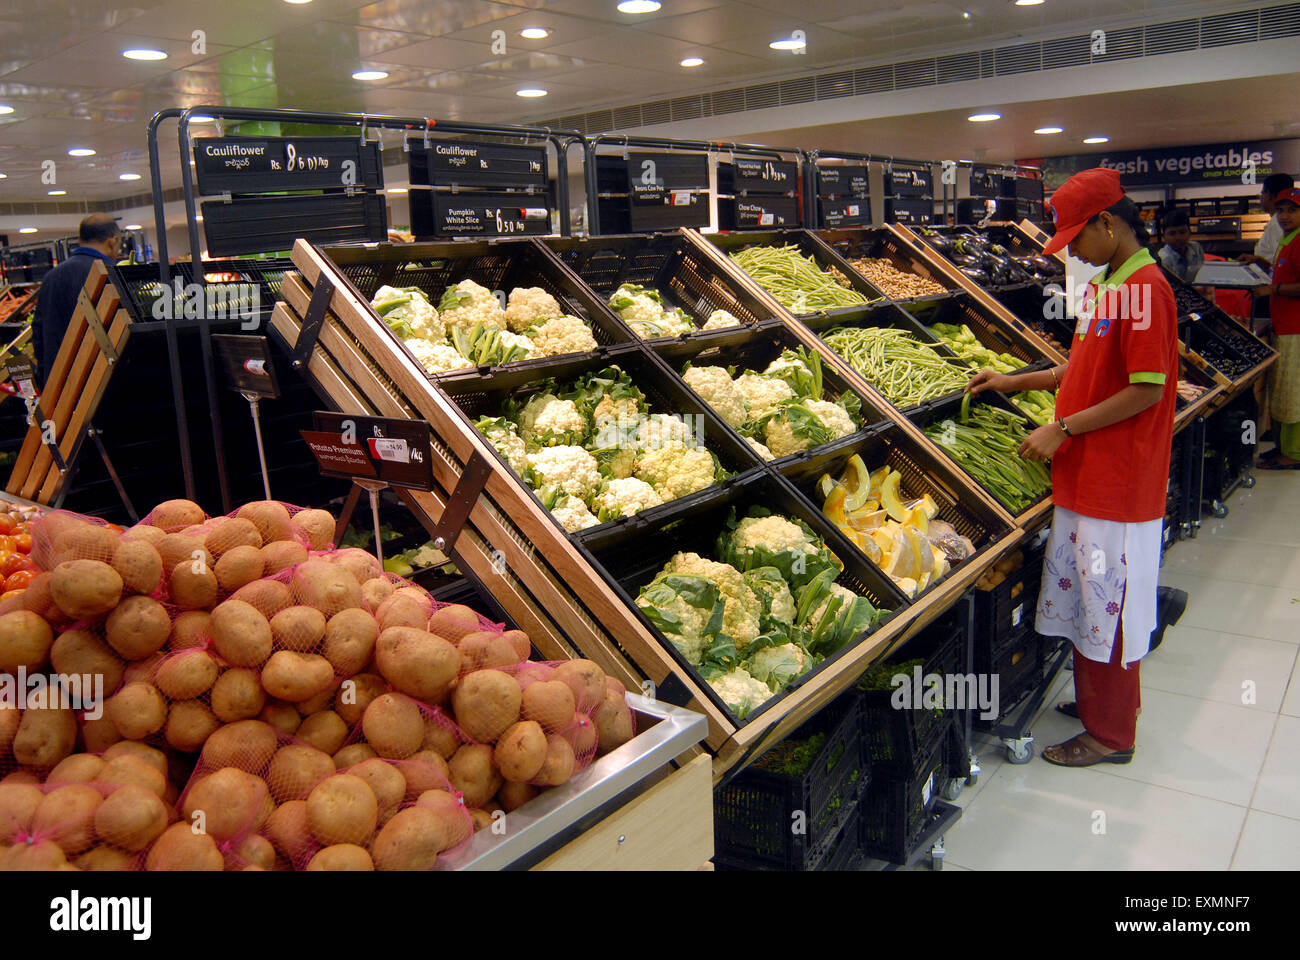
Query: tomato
x=7 y=523
x=23 y=542
x=11 y=593
x=8 y=544
x=22 y=528
x=11 y=562
x=19 y=580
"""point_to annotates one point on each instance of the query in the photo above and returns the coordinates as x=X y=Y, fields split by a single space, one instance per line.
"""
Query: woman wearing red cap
x=1110 y=449
x=1284 y=308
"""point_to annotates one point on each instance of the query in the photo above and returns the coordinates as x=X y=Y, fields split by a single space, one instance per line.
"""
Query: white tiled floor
x=1215 y=783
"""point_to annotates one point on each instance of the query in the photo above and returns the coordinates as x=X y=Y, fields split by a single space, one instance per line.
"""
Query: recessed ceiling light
x=56 y=193
x=790 y=44
x=26 y=229
x=692 y=62
x=1028 y=3
x=5 y=108
x=965 y=14
x=133 y=226
x=1096 y=139
x=530 y=92
x=984 y=117
x=370 y=75
x=534 y=33
x=4 y=176
x=639 y=6
x=1050 y=130
x=128 y=176
x=297 y=1
x=81 y=152
x=144 y=54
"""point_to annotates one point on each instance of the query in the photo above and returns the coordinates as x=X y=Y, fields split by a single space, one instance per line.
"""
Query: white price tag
x=681 y=198
x=853 y=209
x=927 y=790
x=26 y=390
x=1017 y=614
x=766 y=219
x=394 y=451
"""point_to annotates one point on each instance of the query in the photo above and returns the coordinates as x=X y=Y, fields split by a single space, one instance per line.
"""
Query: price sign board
x=756 y=175
x=266 y=224
x=248 y=364
x=22 y=376
x=482 y=215
x=848 y=180
x=759 y=212
x=273 y=164
x=463 y=163
x=372 y=448
x=848 y=212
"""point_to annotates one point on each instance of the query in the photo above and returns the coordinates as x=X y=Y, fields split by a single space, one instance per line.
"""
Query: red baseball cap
x=1289 y=195
x=1078 y=200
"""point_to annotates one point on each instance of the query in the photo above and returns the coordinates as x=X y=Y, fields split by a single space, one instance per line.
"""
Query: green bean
x=796 y=281
x=907 y=371
x=986 y=449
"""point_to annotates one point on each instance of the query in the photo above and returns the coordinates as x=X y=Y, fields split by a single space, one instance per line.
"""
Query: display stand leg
x=257 y=432
x=350 y=505
x=112 y=472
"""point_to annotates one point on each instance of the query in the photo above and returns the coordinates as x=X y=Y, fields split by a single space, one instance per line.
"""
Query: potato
x=129 y=748
x=193 y=628
x=453 y=621
x=350 y=638
x=256 y=851
x=287 y=829
x=298 y=628
x=240 y=633
x=179 y=848
x=85 y=589
x=270 y=517
x=107 y=859
x=175 y=514
x=361 y=564
x=341 y=856
x=482 y=650
x=417 y=663
x=232 y=802
x=138 y=628
x=551 y=703
x=375 y=591
x=10 y=718
x=18 y=803
x=238 y=695
x=473 y=775
x=177 y=548
x=480 y=819
x=142 y=671
x=84 y=541
x=295 y=769
x=39 y=599
x=425 y=770
x=486 y=702
x=283 y=716
x=522 y=645
x=145 y=532
x=82 y=652
x=385 y=781
x=139 y=565
x=613 y=719
x=513 y=795
x=452 y=816
x=281 y=555
x=325 y=586
x=585 y=679
x=21 y=776
x=393 y=725
x=25 y=641
x=531 y=671
x=137 y=710
x=314 y=526
x=559 y=764
x=44 y=737
x=189 y=724
x=582 y=735
x=402 y=610
x=324 y=730
x=355 y=694
x=128 y=769
x=193 y=585
x=227 y=533
x=614 y=685
x=185 y=675
x=238 y=566
x=76 y=768
x=409 y=841
x=98 y=735
x=440 y=734
x=296 y=676
x=66 y=815
x=248 y=744
x=321 y=701
x=43 y=855
x=269 y=597
x=130 y=817
x=353 y=753
x=342 y=809
x=521 y=751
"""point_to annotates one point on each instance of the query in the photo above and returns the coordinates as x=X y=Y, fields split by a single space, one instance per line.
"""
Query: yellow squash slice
x=834 y=507
x=858 y=482
x=889 y=497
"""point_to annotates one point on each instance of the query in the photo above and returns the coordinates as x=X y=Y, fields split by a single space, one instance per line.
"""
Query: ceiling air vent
x=833 y=85
x=1121 y=45
x=687 y=108
x=627 y=117
x=599 y=120
x=1022 y=58
x=657 y=112
x=873 y=79
x=798 y=91
x=1281 y=21
x=1237 y=27
x=1174 y=37
x=728 y=101
x=959 y=66
x=1067 y=52
x=914 y=73
x=763 y=95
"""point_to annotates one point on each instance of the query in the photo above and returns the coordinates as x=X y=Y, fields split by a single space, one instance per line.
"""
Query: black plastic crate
x=909 y=209
x=881 y=244
x=139 y=287
x=897 y=739
x=1004 y=613
x=756 y=814
x=898 y=808
x=846 y=852
x=1236 y=337
x=1019 y=669
x=630 y=554
x=1029 y=304
x=754 y=350
x=965 y=310
x=498 y=265
x=668 y=262
x=480 y=396
x=1203 y=340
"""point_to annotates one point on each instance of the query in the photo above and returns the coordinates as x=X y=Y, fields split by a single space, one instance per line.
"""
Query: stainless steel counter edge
x=541 y=819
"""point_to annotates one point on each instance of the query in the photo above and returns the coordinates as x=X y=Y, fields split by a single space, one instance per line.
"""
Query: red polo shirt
x=1121 y=472
x=1285 y=311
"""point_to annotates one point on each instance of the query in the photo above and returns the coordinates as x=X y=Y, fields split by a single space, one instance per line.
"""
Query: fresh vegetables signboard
x=1215 y=163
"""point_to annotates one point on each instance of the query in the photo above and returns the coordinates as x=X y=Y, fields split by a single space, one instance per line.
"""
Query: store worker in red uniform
x=1284 y=308
x=1110 y=452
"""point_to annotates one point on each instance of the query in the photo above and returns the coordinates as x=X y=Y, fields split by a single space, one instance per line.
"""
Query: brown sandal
x=1077 y=753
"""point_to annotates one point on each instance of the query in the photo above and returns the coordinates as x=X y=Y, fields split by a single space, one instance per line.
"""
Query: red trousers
x=1108 y=696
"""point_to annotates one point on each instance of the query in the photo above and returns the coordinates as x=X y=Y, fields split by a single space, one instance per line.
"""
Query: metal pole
x=261 y=450
x=589 y=171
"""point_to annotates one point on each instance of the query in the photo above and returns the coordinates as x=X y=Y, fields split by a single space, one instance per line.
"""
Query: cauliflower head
x=571 y=469
x=715 y=387
x=741 y=692
x=555 y=422
x=574 y=515
x=779 y=666
x=720 y=320
x=776 y=533
x=501 y=433
x=740 y=618
x=760 y=449
x=437 y=357
x=779 y=607
x=409 y=313
x=676 y=472
x=624 y=497
x=666 y=430
x=687 y=610
x=468 y=303
x=559 y=335
x=762 y=394
x=834 y=417
x=528 y=305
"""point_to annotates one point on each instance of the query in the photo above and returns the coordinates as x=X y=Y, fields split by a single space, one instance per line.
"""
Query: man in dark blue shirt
x=100 y=239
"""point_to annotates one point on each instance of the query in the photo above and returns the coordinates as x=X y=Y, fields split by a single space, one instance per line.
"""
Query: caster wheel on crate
x=1248 y=482
x=937 y=853
x=1219 y=510
x=953 y=788
x=1020 y=751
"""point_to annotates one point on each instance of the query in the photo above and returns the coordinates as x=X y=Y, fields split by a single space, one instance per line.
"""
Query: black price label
x=760 y=212
x=372 y=448
x=844 y=181
x=248 y=365
x=845 y=213
x=23 y=377
x=753 y=173
x=272 y=164
x=490 y=215
x=1209 y=225
x=467 y=164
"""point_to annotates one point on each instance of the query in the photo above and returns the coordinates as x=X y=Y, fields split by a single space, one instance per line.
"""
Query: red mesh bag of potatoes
x=91 y=811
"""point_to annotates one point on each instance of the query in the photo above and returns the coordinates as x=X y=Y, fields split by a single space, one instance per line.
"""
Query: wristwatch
x=1064 y=429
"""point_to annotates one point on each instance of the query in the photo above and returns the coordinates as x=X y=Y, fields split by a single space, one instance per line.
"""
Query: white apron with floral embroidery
x=1095 y=572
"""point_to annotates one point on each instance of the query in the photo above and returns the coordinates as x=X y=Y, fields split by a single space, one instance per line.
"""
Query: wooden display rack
x=511 y=545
